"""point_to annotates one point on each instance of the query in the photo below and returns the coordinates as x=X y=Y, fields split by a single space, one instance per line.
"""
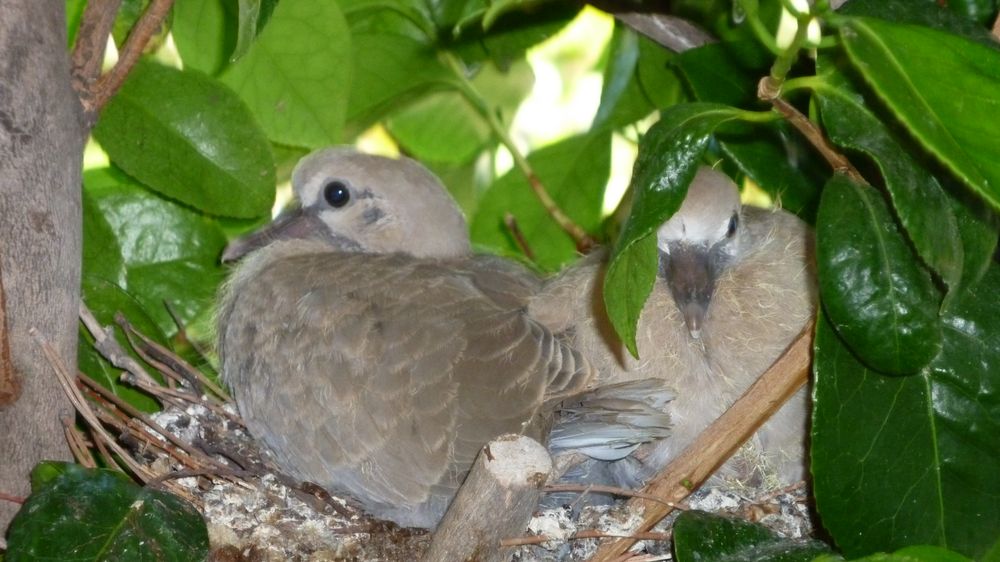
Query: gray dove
x=736 y=286
x=371 y=352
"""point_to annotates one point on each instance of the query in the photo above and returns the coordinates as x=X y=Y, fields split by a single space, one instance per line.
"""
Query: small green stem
x=758 y=28
x=584 y=242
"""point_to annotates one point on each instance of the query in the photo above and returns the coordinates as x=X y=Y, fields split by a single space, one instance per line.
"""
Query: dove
x=736 y=285
x=372 y=353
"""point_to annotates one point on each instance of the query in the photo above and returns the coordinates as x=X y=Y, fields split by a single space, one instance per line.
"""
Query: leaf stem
x=758 y=28
x=584 y=242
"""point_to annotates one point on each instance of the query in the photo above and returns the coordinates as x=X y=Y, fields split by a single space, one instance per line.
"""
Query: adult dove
x=736 y=286
x=371 y=352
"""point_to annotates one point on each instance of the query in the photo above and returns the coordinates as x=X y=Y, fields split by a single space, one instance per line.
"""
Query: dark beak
x=690 y=273
x=290 y=224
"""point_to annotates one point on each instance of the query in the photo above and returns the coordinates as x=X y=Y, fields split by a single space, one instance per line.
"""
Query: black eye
x=734 y=221
x=336 y=194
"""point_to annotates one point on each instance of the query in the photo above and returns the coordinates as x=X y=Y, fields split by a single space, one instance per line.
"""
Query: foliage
x=93 y=514
x=907 y=353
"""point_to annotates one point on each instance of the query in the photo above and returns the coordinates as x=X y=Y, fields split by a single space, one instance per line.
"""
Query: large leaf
x=169 y=252
x=574 y=172
x=898 y=461
x=205 y=33
x=191 y=139
x=945 y=89
x=668 y=158
x=704 y=537
x=388 y=71
x=295 y=77
x=882 y=301
x=919 y=200
x=92 y=514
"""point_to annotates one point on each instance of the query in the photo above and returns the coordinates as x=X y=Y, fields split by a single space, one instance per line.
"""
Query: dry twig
x=10 y=383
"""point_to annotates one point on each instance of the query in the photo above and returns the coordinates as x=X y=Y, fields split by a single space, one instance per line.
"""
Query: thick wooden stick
x=495 y=502
x=720 y=440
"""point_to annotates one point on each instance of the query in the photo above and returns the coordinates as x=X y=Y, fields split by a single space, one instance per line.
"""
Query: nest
x=197 y=447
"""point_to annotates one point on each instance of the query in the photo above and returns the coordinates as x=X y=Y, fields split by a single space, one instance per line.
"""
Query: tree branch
x=717 y=443
x=91 y=42
x=108 y=85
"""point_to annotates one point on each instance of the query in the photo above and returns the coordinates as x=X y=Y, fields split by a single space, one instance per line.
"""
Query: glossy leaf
x=920 y=202
x=945 y=89
x=705 y=537
x=94 y=514
x=881 y=300
x=205 y=33
x=191 y=139
x=169 y=252
x=574 y=172
x=668 y=158
x=294 y=76
x=898 y=461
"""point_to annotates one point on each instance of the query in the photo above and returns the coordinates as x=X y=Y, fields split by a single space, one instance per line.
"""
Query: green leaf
x=388 y=71
x=881 y=300
x=191 y=139
x=443 y=127
x=204 y=33
x=944 y=88
x=45 y=472
x=920 y=202
x=574 y=172
x=509 y=36
x=772 y=155
x=705 y=537
x=627 y=284
x=93 y=514
x=294 y=77
x=668 y=158
x=928 y=13
x=169 y=252
x=898 y=461
x=74 y=13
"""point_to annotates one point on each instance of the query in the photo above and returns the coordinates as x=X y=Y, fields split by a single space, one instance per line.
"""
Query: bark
x=41 y=143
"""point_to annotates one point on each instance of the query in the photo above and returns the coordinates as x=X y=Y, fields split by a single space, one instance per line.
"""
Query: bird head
x=699 y=242
x=365 y=203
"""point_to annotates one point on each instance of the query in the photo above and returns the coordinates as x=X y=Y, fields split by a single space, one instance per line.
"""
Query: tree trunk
x=41 y=143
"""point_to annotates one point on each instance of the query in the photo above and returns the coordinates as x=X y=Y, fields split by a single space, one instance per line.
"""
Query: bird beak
x=290 y=224
x=689 y=273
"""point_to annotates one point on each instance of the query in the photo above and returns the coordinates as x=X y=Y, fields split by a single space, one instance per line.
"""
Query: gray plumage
x=708 y=341
x=371 y=353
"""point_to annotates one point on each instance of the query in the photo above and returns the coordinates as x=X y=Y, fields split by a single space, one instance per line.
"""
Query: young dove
x=736 y=286
x=371 y=352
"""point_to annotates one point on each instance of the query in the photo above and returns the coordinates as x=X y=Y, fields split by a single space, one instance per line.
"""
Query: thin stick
x=767 y=90
x=717 y=443
x=66 y=381
x=108 y=346
x=157 y=355
x=132 y=411
x=108 y=85
x=522 y=243
x=182 y=335
x=587 y=488
x=77 y=443
x=586 y=534
x=13 y=499
x=584 y=242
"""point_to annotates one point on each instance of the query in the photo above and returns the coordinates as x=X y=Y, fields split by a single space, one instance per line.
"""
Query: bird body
x=762 y=296
x=373 y=354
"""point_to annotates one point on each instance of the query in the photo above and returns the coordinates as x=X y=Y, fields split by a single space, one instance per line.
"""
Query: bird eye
x=336 y=194
x=733 y=222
